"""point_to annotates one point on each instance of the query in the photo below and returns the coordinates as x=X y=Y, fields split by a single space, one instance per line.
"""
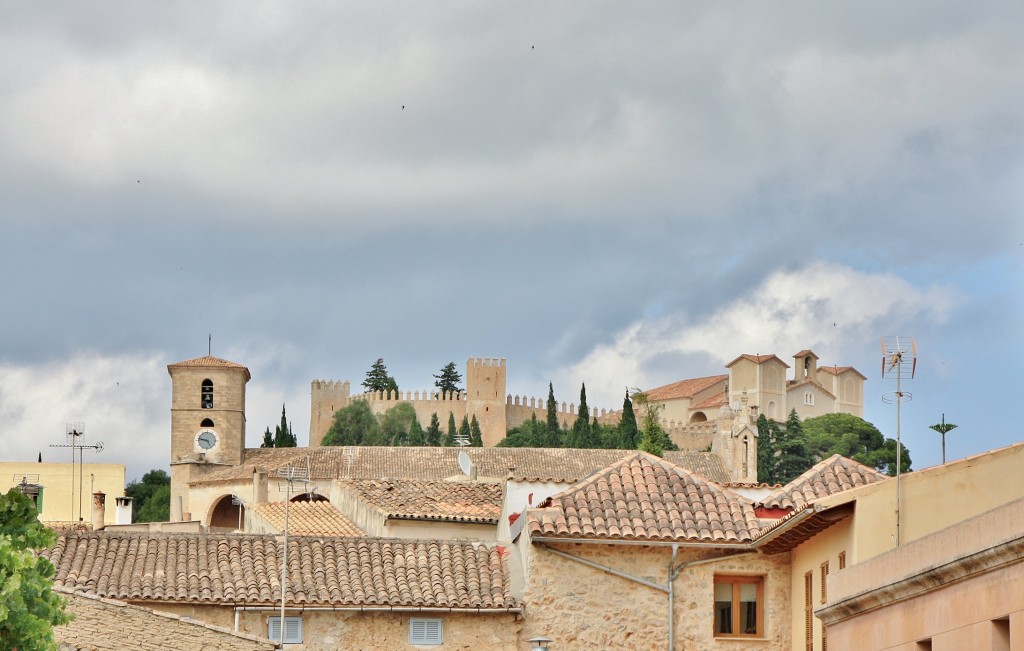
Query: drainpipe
x=672 y=599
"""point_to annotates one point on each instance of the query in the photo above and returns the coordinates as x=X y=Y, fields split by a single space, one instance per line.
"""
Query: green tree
x=433 y=433
x=465 y=432
x=476 y=437
x=143 y=491
x=378 y=380
x=628 y=430
x=449 y=437
x=843 y=434
x=447 y=381
x=531 y=434
x=553 y=436
x=157 y=508
x=268 y=439
x=395 y=423
x=793 y=458
x=283 y=436
x=353 y=425
x=417 y=437
x=606 y=436
x=29 y=609
x=884 y=458
x=580 y=436
x=653 y=437
x=767 y=449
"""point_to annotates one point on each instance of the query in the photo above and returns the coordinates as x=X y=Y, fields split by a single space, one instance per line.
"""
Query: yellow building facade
x=66 y=489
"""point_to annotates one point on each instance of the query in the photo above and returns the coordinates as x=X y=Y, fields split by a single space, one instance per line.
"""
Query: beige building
x=63 y=491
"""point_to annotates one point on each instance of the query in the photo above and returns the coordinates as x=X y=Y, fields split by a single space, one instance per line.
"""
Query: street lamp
x=540 y=643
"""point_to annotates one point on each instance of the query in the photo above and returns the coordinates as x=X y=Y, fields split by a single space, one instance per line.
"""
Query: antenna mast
x=73 y=432
x=899 y=360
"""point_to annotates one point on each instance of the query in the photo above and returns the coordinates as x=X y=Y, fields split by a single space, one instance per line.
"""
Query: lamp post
x=540 y=643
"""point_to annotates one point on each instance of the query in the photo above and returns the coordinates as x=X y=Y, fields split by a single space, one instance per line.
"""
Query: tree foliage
x=553 y=435
x=378 y=380
x=449 y=437
x=653 y=437
x=531 y=434
x=628 y=431
x=447 y=381
x=394 y=425
x=581 y=436
x=433 y=434
x=149 y=490
x=476 y=437
x=354 y=424
x=854 y=438
x=283 y=435
x=29 y=609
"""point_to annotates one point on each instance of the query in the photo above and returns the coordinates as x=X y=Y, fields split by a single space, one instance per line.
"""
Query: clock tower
x=207 y=422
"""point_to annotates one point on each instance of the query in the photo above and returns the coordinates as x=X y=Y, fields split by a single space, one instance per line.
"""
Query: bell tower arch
x=207 y=421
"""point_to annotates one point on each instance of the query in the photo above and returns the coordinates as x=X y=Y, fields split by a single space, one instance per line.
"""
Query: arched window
x=206 y=423
x=809 y=398
x=771 y=409
x=207 y=397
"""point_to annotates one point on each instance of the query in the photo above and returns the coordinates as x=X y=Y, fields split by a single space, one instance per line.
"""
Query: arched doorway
x=226 y=515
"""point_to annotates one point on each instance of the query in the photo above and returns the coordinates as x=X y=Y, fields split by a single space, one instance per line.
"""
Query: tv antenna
x=73 y=434
x=899 y=360
x=290 y=474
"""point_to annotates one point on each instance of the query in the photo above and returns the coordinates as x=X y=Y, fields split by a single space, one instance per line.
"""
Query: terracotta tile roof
x=833 y=475
x=108 y=625
x=413 y=499
x=232 y=569
x=644 y=498
x=796 y=384
x=559 y=465
x=307 y=519
x=684 y=388
x=757 y=359
x=717 y=400
x=805 y=352
x=208 y=362
x=839 y=370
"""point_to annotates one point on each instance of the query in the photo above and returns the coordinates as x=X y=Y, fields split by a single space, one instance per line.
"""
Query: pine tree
x=447 y=381
x=378 y=380
x=433 y=434
x=449 y=438
x=476 y=437
x=627 y=426
x=793 y=457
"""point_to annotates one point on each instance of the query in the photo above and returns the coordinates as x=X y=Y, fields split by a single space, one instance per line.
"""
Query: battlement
x=410 y=396
x=485 y=361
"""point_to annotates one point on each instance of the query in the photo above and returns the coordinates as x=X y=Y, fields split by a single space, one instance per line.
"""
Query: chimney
x=259 y=486
x=99 y=510
x=123 y=513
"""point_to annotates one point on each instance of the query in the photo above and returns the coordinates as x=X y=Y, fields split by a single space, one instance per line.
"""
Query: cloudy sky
x=610 y=193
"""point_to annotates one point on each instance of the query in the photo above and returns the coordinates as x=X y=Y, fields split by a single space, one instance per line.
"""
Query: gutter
x=515 y=610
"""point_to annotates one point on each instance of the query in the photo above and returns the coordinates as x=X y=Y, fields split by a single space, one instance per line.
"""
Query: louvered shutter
x=425 y=631
x=292 y=629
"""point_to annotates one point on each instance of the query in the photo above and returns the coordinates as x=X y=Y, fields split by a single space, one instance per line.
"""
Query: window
x=808 y=611
x=207 y=423
x=824 y=582
x=739 y=606
x=426 y=631
x=207 y=394
x=809 y=398
x=292 y=629
x=842 y=560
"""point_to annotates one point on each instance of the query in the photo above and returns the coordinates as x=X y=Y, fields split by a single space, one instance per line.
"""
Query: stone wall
x=366 y=631
x=581 y=607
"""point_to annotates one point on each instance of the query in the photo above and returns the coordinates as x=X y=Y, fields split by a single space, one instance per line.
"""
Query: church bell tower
x=207 y=422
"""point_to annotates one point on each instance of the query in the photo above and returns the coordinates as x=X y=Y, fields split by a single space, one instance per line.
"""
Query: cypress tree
x=416 y=435
x=268 y=439
x=433 y=433
x=449 y=438
x=283 y=437
x=627 y=426
x=553 y=434
x=476 y=437
x=465 y=433
x=580 y=436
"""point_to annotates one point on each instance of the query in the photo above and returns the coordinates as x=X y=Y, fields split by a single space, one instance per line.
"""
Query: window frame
x=206 y=394
x=425 y=639
x=276 y=635
x=735 y=581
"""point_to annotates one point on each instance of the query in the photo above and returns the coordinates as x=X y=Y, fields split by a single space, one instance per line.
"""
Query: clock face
x=206 y=439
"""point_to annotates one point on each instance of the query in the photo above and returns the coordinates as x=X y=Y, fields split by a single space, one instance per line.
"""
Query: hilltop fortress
x=754 y=384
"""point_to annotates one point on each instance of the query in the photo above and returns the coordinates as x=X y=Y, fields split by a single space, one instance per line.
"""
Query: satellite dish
x=465 y=463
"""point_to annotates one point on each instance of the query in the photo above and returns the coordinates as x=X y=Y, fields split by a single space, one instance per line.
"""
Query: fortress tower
x=207 y=421
x=485 y=397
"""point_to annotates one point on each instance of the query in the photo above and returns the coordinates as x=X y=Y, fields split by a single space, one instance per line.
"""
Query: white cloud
x=827 y=307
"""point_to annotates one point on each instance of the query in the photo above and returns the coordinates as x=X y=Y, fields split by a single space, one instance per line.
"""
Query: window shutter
x=425 y=631
x=292 y=629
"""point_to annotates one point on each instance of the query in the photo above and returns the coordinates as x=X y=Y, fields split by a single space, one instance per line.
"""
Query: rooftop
x=307 y=519
x=453 y=501
x=684 y=388
x=833 y=475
